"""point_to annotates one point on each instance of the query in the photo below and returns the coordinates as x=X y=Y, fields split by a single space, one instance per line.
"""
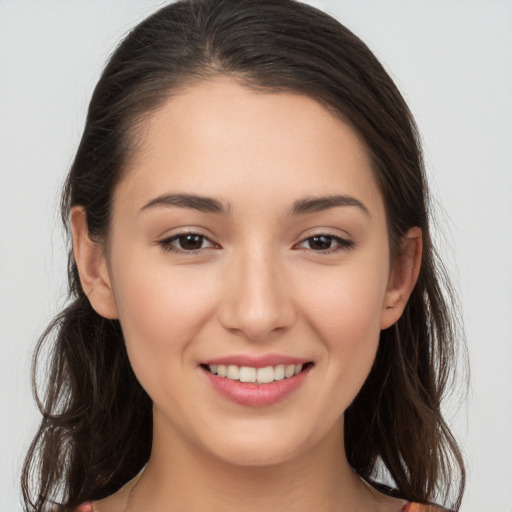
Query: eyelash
x=342 y=244
x=167 y=243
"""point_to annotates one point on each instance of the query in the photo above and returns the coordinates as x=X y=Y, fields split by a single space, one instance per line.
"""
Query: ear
x=92 y=266
x=404 y=274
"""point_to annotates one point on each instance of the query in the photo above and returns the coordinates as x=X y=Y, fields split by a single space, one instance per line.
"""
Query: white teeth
x=247 y=374
x=279 y=372
x=265 y=375
x=259 y=375
x=233 y=372
x=289 y=370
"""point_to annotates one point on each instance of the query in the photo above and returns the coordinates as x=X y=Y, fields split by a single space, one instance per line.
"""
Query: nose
x=257 y=302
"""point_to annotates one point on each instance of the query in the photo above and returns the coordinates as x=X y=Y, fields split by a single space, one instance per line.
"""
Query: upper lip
x=256 y=361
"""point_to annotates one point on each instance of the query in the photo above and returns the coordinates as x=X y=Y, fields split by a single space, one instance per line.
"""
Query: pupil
x=191 y=242
x=320 y=243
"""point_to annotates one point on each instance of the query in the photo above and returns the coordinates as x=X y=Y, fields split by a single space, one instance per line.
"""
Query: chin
x=256 y=455
x=261 y=445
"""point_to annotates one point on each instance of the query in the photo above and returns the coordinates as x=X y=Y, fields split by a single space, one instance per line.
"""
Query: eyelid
x=166 y=243
x=343 y=243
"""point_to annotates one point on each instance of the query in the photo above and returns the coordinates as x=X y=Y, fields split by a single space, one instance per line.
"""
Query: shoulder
x=419 y=507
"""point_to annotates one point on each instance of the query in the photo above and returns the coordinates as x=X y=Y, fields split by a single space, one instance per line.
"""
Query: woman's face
x=249 y=236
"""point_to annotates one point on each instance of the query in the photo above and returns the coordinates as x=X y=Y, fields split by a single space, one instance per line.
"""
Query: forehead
x=223 y=139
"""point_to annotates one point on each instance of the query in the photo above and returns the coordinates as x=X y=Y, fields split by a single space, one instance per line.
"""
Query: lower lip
x=255 y=395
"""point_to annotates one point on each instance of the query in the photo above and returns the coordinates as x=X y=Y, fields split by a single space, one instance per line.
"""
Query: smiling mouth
x=249 y=374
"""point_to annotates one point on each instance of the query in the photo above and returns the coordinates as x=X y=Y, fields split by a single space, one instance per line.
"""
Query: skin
x=258 y=284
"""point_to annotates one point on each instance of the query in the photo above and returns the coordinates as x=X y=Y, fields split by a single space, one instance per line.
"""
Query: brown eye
x=320 y=243
x=190 y=242
x=325 y=243
x=187 y=242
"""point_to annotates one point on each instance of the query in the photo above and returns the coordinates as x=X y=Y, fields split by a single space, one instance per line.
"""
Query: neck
x=181 y=476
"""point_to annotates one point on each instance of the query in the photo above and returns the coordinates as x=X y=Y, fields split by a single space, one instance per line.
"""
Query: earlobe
x=92 y=266
x=404 y=274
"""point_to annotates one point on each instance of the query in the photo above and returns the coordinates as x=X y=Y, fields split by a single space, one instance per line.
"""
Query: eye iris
x=320 y=243
x=190 y=242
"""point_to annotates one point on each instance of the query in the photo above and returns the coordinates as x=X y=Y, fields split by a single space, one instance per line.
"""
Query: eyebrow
x=201 y=203
x=210 y=205
x=318 y=204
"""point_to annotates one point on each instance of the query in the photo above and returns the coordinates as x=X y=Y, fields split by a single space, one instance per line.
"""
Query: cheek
x=350 y=327
x=347 y=302
x=344 y=312
x=161 y=309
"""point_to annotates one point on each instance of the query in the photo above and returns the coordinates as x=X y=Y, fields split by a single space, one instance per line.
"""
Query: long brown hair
x=96 y=431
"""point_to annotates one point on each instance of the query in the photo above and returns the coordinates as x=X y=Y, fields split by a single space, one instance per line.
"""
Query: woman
x=257 y=317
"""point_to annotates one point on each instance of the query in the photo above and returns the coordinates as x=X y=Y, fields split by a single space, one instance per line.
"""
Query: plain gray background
x=453 y=62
